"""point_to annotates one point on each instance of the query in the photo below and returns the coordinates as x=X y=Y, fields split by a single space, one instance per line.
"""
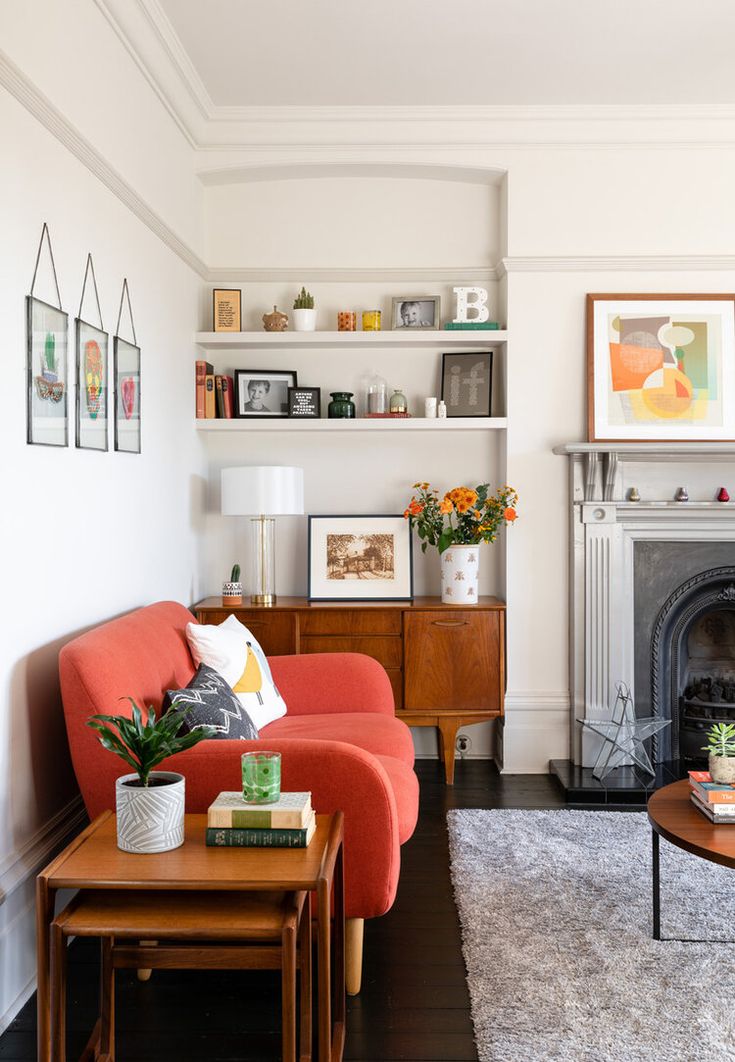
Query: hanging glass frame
x=91 y=376
x=126 y=369
x=47 y=343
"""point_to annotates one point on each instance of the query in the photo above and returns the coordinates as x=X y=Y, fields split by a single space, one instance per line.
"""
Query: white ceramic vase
x=150 y=819
x=304 y=320
x=460 y=566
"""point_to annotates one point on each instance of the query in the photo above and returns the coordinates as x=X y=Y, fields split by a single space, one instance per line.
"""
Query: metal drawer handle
x=450 y=623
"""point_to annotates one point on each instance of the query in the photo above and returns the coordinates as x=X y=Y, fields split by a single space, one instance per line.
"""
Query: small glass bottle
x=377 y=394
x=341 y=406
x=398 y=402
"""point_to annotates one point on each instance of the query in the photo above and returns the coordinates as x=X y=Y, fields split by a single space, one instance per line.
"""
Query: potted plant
x=457 y=525
x=232 y=591
x=721 y=748
x=304 y=314
x=149 y=803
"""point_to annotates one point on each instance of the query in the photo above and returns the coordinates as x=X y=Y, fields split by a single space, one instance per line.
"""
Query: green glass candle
x=261 y=777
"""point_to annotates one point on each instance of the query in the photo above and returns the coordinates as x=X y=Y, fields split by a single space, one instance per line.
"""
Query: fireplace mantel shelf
x=670 y=451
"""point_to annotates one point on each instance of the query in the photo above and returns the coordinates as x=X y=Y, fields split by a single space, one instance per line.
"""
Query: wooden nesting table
x=94 y=864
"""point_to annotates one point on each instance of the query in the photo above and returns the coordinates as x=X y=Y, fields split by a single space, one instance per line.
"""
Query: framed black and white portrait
x=262 y=392
x=416 y=311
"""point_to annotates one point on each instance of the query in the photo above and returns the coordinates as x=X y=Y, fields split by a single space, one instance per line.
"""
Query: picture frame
x=263 y=393
x=467 y=383
x=360 y=558
x=126 y=373
x=661 y=368
x=226 y=310
x=305 y=403
x=47 y=391
x=416 y=312
x=92 y=386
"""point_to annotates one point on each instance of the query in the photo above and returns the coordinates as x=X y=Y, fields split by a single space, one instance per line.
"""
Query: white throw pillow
x=233 y=651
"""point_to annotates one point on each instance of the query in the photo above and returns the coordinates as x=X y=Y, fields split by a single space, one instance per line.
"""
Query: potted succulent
x=304 y=314
x=232 y=591
x=149 y=803
x=721 y=748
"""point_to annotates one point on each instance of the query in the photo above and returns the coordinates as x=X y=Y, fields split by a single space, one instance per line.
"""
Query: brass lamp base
x=263 y=599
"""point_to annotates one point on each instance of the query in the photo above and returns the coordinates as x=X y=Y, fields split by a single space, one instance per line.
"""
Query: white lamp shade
x=263 y=490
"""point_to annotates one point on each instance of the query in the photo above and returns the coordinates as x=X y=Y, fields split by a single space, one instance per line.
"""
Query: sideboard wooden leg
x=448 y=728
x=354 y=935
x=144 y=974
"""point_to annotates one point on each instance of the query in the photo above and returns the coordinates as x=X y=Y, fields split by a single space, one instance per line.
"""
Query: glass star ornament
x=623 y=736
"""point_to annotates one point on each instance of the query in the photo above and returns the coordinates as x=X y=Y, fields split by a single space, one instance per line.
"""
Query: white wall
x=84 y=535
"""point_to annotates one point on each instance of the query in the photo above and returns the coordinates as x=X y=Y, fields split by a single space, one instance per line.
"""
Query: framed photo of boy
x=416 y=311
x=467 y=383
x=227 y=310
x=262 y=393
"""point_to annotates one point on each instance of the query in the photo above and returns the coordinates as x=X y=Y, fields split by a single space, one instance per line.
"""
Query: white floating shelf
x=408 y=338
x=359 y=424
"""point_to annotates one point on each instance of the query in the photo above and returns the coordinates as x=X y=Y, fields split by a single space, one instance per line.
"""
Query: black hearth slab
x=624 y=786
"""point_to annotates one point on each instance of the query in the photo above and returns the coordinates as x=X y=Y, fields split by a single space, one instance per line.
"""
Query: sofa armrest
x=319 y=683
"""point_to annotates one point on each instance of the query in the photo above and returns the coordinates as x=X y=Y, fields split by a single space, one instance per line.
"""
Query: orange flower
x=445 y=507
x=405 y=514
x=463 y=498
x=510 y=515
x=415 y=508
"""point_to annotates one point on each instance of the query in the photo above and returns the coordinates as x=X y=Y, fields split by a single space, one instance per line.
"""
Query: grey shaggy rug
x=555 y=908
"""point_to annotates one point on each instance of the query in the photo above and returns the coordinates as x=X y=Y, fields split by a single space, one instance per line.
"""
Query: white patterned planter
x=150 y=819
x=460 y=570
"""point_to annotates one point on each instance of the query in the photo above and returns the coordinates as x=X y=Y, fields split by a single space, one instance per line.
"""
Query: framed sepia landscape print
x=360 y=558
x=661 y=368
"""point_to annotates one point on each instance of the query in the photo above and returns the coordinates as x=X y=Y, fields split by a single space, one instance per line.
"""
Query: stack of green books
x=288 y=823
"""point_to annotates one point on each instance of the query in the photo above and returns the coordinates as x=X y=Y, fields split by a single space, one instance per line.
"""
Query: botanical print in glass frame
x=127 y=396
x=360 y=558
x=92 y=386
x=47 y=389
x=661 y=368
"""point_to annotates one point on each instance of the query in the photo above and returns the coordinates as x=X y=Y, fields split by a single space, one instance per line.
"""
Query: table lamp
x=263 y=492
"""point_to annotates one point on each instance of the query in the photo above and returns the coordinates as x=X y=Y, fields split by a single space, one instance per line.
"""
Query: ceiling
x=453 y=52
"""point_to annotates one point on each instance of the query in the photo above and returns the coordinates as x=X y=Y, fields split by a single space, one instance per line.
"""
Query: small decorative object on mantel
x=276 y=321
x=227 y=310
x=682 y=495
x=46 y=353
x=471 y=306
x=457 y=525
x=398 y=403
x=305 y=402
x=371 y=320
x=721 y=748
x=304 y=314
x=126 y=371
x=722 y=495
x=341 y=406
x=376 y=397
x=150 y=803
x=430 y=408
x=232 y=590
x=416 y=311
x=623 y=736
x=347 y=321
x=441 y=411
x=634 y=495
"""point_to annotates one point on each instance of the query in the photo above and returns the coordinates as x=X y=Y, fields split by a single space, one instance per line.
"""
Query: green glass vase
x=341 y=405
x=261 y=777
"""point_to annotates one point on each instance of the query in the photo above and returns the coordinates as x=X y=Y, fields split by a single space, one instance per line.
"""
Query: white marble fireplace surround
x=604 y=528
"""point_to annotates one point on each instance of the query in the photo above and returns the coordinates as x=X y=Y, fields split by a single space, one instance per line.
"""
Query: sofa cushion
x=233 y=651
x=383 y=735
x=209 y=701
x=405 y=786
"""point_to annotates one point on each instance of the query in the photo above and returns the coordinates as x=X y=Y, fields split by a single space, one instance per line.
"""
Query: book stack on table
x=716 y=800
x=289 y=822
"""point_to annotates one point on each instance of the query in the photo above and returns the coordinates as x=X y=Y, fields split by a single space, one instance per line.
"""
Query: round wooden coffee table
x=673 y=817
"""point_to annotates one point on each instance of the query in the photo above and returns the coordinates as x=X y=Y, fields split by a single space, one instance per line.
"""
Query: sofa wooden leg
x=354 y=934
x=145 y=974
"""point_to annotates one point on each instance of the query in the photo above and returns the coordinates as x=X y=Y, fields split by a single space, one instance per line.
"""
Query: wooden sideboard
x=446 y=663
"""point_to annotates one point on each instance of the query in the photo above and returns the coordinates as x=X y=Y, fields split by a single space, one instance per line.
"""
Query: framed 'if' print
x=661 y=368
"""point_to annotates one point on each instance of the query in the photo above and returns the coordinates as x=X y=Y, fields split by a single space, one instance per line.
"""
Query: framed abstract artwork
x=360 y=558
x=126 y=374
x=91 y=374
x=661 y=368
x=47 y=352
x=467 y=383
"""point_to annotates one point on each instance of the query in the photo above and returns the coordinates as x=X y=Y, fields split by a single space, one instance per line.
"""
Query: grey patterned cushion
x=212 y=703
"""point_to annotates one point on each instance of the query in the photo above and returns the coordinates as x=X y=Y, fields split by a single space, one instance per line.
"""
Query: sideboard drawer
x=454 y=659
x=276 y=631
x=396 y=681
x=358 y=621
x=387 y=651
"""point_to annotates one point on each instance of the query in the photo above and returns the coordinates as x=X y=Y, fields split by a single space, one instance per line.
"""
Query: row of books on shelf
x=288 y=823
x=214 y=393
x=716 y=800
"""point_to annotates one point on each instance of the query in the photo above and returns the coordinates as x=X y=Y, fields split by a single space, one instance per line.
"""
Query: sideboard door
x=454 y=660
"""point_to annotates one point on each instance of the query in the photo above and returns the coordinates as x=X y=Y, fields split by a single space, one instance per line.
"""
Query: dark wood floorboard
x=413 y=1005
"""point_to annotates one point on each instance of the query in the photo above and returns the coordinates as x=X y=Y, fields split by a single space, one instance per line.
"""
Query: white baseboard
x=535 y=730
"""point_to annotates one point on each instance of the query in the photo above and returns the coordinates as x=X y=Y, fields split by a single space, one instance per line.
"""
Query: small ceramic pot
x=231 y=593
x=460 y=570
x=341 y=405
x=304 y=320
x=150 y=819
x=371 y=320
x=276 y=321
x=347 y=321
x=722 y=769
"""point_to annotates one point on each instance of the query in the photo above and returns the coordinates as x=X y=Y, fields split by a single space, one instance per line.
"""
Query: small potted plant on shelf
x=149 y=803
x=721 y=748
x=304 y=314
x=232 y=591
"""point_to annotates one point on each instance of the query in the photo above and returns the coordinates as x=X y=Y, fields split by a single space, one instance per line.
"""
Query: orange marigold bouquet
x=463 y=517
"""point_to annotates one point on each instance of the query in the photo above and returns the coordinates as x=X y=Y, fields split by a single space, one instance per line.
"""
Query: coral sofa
x=340 y=739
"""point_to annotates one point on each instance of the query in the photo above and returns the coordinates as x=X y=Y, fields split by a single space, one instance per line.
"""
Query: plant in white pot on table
x=149 y=803
x=457 y=525
x=721 y=748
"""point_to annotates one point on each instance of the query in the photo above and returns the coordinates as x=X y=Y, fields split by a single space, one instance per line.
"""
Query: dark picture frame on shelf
x=126 y=374
x=46 y=366
x=226 y=310
x=416 y=312
x=263 y=393
x=467 y=383
x=360 y=558
x=305 y=403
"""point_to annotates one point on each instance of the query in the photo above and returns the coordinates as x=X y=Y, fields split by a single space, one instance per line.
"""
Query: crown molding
x=355 y=275
x=616 y=264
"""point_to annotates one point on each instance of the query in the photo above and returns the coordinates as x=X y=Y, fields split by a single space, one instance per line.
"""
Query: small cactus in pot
x=232 y=590
x=304 y=314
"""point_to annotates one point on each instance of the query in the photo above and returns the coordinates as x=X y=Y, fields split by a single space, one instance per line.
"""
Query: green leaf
x=445 y=539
